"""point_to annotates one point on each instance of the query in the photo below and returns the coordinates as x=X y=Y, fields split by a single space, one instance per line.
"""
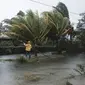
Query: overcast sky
x=9 y=8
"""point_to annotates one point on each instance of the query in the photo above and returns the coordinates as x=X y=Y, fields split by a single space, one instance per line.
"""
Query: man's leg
x=26 y=53
x=29 y=53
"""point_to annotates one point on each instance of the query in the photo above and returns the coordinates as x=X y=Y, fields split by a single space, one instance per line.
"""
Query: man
x=28 y=48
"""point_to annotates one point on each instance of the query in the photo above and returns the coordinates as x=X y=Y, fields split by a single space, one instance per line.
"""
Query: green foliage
x=6 y=43
x=38 y=29
x=81 y=37
x=56 y=22
x=81 y=23
x=29 y=27
x=21 y=13
x=61 y=7
x=22 y=59
x=81 y=30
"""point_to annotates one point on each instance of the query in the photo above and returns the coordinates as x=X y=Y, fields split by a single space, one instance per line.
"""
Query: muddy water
x=49 y=73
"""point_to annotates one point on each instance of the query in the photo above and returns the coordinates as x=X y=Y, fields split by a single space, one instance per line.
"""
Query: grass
x=22 y=59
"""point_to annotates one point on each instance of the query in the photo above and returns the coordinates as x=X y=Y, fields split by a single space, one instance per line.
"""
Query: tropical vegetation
x=51 y=26
x=29 y=27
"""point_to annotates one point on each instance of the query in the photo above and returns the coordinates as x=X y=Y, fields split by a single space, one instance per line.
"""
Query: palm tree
x=58 y=25
x=28 y=27
x=21 y=13
x=61 y=7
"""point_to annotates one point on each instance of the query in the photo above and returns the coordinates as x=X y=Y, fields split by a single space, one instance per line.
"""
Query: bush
x=22 y=59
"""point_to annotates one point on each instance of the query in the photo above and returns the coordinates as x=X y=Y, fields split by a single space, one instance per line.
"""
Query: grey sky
x=9 y=8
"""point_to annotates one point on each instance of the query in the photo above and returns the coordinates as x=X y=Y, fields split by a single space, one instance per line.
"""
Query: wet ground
x=45 y=73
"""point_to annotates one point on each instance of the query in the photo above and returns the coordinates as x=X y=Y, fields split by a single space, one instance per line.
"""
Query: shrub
x=22 y=59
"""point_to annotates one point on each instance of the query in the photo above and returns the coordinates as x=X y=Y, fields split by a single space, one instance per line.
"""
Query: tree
x=81 y=38
x=61 y=7
x=21 y=13
x=81 y=30
x=2 y=28
x=29 y=27
x=58 y=25
x=81 y=23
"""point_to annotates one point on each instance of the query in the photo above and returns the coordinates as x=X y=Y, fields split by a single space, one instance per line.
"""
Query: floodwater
x=48 y=73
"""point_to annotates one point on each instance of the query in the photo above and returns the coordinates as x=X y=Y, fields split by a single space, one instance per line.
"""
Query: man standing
x=28 y=48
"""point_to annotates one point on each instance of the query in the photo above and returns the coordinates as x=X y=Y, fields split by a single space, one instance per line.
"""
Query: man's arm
x=23 y=43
